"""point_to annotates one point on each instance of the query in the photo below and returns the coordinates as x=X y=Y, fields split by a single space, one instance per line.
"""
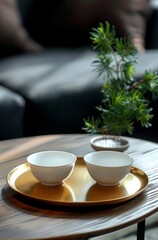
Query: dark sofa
x=47 y=82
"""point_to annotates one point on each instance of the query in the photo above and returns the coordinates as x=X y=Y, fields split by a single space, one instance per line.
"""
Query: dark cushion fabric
x=12 y=108
x=60 y=88
x=151 y=32
x=69 y=22
x=13 y=36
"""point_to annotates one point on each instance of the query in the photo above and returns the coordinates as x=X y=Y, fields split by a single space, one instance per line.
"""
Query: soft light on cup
x=108 y=168
x=52 y=167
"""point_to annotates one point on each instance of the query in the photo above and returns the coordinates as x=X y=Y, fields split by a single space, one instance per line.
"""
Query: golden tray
x=79 y=190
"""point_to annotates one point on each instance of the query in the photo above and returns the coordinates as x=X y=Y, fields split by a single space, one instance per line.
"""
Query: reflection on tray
x=126 y=188
x=57 y=193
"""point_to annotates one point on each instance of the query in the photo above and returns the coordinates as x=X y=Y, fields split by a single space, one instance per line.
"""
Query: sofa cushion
x=59 y=86
x=12 y=110
x=69 y=22
x=13 y=36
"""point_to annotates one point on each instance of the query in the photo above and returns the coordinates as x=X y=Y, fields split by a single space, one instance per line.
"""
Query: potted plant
x=124 y=99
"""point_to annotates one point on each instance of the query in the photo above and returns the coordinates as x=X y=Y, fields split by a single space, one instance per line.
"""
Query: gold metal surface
x=80 y=189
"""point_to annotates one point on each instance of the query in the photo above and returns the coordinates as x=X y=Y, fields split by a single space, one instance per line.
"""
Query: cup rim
x=99 y=164
x=30 y=161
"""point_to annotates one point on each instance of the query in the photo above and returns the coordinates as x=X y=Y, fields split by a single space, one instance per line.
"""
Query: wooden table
x=20 y=219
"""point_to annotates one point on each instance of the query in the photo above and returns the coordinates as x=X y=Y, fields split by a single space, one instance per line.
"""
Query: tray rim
x=76 y=203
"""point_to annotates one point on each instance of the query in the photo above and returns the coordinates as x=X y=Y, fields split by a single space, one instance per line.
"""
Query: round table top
x=22 y=218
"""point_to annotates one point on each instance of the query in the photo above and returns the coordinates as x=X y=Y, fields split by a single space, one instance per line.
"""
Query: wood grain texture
x=21 y=218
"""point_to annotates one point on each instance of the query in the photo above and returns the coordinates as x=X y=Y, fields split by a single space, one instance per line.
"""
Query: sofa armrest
x=12 y=108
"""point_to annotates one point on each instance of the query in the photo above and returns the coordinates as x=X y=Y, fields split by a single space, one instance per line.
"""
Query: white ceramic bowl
x=52 y=167
x=108 y=168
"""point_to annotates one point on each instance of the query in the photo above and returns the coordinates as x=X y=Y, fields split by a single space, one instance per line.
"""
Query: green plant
x=124 y=99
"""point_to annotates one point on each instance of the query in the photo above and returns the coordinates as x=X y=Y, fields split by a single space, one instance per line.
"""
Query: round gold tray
x=79 y=190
